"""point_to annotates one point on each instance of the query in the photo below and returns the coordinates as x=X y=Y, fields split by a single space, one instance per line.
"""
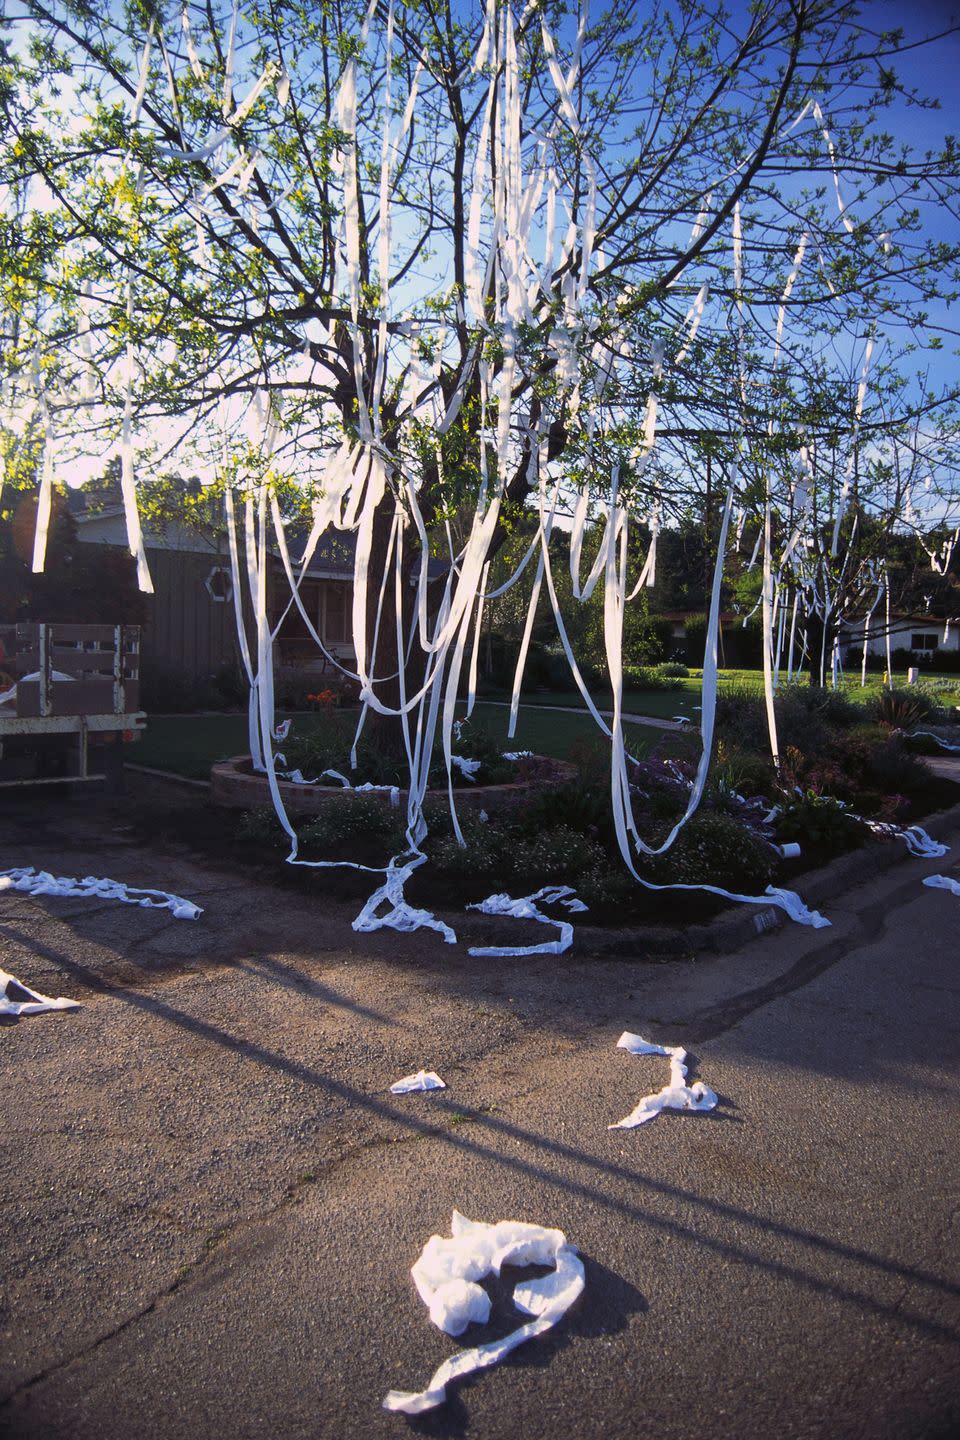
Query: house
x=190 y=621
x=921 y=634
x=683 y=633
x=326 y=594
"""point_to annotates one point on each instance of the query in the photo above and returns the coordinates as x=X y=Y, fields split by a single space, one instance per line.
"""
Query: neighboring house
x=922 y=634
x=678 y=620
x=190 y=620
x=326 y=593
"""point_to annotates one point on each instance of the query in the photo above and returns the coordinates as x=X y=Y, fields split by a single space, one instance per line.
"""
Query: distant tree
x=80 y=584
x=478 y=240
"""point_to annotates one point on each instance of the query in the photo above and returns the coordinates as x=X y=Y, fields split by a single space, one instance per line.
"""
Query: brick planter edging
x=236 y=788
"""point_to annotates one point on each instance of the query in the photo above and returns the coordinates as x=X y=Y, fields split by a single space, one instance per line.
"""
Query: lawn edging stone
x=732 y=931
x=235 y=786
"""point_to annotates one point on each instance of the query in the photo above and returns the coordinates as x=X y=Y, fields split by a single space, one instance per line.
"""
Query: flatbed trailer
x=74 y=689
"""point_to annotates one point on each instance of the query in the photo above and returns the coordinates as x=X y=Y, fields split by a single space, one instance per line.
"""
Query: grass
x=555 y=733
x=189 y=744
x=659 y=704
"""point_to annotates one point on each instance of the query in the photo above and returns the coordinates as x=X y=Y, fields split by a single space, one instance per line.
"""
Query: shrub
x=646 y=677
x=169 y=689
x=673 y=668
x=695 y=638
x=713 y=849
x=892 y=769
x=807 y=717
x=894 y=809
x=232 y=686
x=903 y=709
x=291 y=687
x=902 y=658
x=945 y=660
x=658 y=790
x=609 y=886
x=942 y=691
x=326 y=746
x=741 y=646
x=351 y=817
x=559 y=855
x=480 y=859
x=742 y=718
x=583 y=803
x=820 y=824
x=473 y=742
x=261 y=827
x=817 y=774
x=742 y=771
x=831 y=707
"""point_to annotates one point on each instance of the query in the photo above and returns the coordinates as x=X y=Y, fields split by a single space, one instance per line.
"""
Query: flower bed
x=235 y=785
x=553 y=824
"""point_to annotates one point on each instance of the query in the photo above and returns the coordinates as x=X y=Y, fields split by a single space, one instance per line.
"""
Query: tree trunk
x=818 y=641
x=386 y=731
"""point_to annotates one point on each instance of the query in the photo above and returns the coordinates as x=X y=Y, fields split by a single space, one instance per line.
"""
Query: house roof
x=332 y=559
x=931 y=620
x=334 y=556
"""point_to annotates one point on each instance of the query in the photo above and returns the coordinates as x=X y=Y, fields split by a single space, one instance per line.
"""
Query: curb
x=728 y=932
x=170 y=775
x=731 y=932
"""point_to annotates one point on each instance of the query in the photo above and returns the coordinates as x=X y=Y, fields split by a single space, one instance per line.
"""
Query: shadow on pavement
x=582 y=1172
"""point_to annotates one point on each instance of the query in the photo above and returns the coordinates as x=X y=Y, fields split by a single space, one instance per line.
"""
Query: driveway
x=212 y=1201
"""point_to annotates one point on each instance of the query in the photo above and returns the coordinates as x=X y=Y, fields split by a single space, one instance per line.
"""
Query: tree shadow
x=486 y=1136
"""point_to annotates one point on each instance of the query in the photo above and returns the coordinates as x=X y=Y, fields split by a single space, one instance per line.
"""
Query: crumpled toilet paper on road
x=525 y=908
x=35 y=1005
x=423 y=1080
x=677 y=1095
x=41 y=882
x=447 y=1275
x=942 y=882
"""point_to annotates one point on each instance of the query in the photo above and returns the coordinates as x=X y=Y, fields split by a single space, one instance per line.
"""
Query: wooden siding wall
x=184 y=626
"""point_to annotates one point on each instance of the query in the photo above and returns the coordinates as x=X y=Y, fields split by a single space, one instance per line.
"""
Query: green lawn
x=550 y=732
x=189 y=744
x=664 y=704
x=661 y=704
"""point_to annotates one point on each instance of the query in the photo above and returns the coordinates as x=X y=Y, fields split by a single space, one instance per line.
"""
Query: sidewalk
x=656 y=721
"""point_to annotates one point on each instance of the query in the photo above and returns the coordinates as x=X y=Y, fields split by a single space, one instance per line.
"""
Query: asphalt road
x=211 y=1202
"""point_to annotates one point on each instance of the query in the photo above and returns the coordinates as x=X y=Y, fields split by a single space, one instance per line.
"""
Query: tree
x=496 y=251
x=90 y=584
x=506 y=617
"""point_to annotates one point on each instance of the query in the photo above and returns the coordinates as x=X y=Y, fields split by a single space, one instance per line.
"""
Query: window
x=336 y=603
x=219 y=584
x=921 y=640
